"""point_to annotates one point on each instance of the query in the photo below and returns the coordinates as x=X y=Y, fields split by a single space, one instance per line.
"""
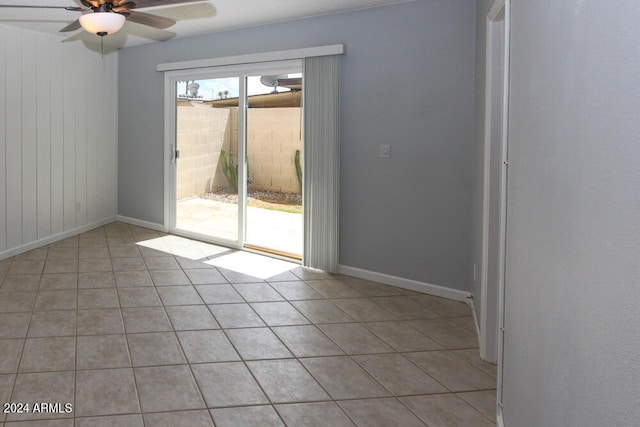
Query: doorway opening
x=239 y=156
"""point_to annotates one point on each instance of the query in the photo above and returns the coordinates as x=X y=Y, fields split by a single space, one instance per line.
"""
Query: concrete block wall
x=274 y=135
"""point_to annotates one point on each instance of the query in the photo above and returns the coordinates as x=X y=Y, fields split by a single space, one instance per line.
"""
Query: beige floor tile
x=207 y=346
x=111 y=421
x=370 y=289
x=60 y=281
x=342 y=378
x=128 y=264
x=452 y=371
x=162 y=263
x=61 y=266
x=123 y=252
x=399 y=375
x=405 y=308
x=106 y=392
x=305 y=273
x=446 y=410
x=179 y=295
x=10 y=352
x=307 y=341
x=23 y=282
x=26 y=267
x=219 y=294
x=472 y=356
x=56 y=300
x=155 y=348
x=93 y=253
x=198 y=418
x=15 y=325
x=483 y=401
x=94 y=264
x=381 y=413
x=138 y=297
x=43 y=387
x=191 y=317
x=466 y=322
x=52 y=324
x=279 y=314
x=169 y=277
x=132 y=279
x=335 y=289
x=402 y=336
x=442 y=306
x=97 y=279
x=100 y=321
x=235 y=315
x=236 y=277
x=48 y=354
x=354 y=338
x=296 y=290
x=286 y=381
x=364 y=309
x=145 y=319
x=6 y=387
x=247 y=416
x=258 y=292
x=322 y=311
x=205 y=276
x=317 y=414
x=34 y=254
x=228 y=384
x=446 y=333
x=92 y=241
x=62 y=253
x=15 y=302
x=97 y=298
x=102 y=351
x=167 y=388
x=258 y=343
x=65 y=422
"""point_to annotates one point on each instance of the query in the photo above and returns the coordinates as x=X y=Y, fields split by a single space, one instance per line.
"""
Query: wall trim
x=499 y=418
x=278 y=55
x=412 y=285
x=54 y=238
x=141 y=223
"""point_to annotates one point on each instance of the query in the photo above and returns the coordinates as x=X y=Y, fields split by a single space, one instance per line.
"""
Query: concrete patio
x=280 y=231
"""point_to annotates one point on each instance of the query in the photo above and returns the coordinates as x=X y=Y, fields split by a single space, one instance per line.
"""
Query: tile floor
x=136 y=328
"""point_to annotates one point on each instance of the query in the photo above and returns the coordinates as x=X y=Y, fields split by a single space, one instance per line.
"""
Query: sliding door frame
x=242 y=71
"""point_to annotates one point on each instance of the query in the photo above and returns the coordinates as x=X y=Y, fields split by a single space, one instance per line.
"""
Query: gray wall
x=572 y=345
x=407 y=81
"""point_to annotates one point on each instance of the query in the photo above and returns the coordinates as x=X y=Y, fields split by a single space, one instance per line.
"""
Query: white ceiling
x=195 y=18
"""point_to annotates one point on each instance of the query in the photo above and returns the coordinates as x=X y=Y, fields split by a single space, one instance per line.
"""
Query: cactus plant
x=230 y=169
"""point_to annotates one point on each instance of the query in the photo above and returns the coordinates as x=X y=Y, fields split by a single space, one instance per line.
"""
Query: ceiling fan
x=105 y=17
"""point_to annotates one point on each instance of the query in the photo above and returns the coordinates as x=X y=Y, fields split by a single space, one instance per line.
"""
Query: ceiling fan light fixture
x=102 y=23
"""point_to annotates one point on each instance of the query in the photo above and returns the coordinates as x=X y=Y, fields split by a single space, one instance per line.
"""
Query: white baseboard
x=474 y=315
x=413 y=285
x=499 y=419
x=54 y=238
x=141 y=223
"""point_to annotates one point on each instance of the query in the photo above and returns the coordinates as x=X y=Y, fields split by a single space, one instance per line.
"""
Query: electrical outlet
x=78 y=207
x=474 y=271
x=385 y=151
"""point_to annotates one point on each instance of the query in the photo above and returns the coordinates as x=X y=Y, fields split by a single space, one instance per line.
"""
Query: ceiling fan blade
x=152 y=3
x=150 y=20
x=23 y=6
x=71 y=27
x=90 y=3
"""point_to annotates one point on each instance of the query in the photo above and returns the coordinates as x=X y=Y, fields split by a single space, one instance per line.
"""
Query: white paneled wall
x=58 y=138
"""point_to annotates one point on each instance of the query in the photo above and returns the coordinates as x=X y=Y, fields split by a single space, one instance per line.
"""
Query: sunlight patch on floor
x=252 y=264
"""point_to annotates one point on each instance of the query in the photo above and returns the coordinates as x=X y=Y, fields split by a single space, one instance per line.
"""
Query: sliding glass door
x=237 y=165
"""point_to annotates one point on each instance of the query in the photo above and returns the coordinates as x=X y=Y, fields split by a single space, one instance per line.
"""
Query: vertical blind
x=321 y=162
